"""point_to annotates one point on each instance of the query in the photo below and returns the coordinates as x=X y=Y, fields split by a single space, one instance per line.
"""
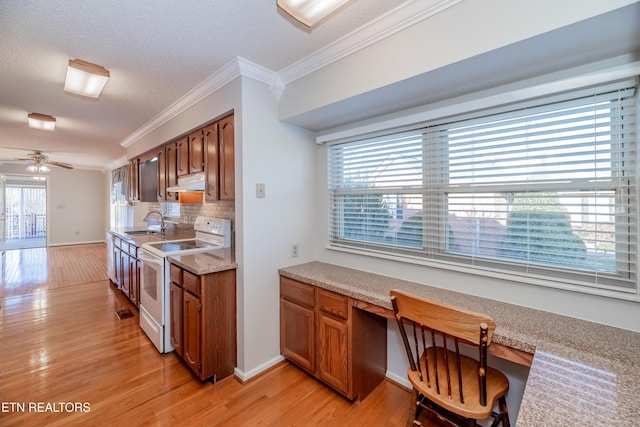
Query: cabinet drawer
x=191 y=283
x=133 y=250
x=297 y=292
x=175 y=274
x=333 y=304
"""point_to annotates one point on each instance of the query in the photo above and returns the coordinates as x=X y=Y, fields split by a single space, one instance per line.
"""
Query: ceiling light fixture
x=85 y=78
x=41 y=121
x=309 y=12
x=36 y=167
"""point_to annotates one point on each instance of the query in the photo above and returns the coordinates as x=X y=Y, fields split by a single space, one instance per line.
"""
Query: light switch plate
x=260 y=191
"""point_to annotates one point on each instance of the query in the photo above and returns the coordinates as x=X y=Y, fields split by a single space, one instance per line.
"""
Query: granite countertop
x=206 y=262
x=583 y=373
x=172 y=232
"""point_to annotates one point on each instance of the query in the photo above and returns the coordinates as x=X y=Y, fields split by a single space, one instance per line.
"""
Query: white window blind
x=548 y=191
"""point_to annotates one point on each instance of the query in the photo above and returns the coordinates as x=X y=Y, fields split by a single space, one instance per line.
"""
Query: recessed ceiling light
x=85 y=78
x=309 y=12
x=41 y=121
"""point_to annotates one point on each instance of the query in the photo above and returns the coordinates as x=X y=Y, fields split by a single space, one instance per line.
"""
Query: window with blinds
x=547 y=191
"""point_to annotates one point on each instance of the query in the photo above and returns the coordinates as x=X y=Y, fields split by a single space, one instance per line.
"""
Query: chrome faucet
x=162 y=224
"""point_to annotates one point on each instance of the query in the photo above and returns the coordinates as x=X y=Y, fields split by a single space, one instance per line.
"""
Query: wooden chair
x=453 y=388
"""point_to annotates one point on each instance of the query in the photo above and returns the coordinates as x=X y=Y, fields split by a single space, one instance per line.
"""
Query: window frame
x=442 y=259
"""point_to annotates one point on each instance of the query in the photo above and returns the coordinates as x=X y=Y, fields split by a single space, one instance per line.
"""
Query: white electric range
x=211 y=233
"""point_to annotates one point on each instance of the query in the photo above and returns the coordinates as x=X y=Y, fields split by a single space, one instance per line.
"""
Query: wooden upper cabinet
x=210 y=137
x=171 y=150
x=209 y=150
x=183 y=156
x=134 y=179
x=162 y=174
x=226 y=158
x=196 y=152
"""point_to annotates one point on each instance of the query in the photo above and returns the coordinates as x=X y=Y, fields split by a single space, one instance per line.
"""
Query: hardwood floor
x=66 y=359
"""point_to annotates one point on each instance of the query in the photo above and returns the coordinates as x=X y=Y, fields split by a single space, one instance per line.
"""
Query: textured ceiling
x=156 y=51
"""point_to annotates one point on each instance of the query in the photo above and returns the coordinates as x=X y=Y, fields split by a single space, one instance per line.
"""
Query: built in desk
x=581 y=373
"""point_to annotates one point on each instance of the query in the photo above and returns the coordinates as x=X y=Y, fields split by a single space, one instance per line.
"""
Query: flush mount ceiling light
x=309 y=12
x=41 y=121
x=85 y=78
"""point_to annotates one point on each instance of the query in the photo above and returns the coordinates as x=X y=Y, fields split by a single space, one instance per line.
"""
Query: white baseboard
x=77 y=243
x=402 y=380
x=246 y=376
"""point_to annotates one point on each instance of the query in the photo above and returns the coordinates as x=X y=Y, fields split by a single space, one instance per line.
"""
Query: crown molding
x=394 y=21
x=262 y=74
x=235 y=68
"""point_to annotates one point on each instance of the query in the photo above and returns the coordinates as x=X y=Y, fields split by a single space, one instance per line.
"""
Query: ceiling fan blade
x=59 y=164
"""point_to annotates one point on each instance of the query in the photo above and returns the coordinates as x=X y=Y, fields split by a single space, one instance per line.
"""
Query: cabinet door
x=117 y=263
x=297 y=337
x=171 y=156
x=176 y=317
x=126 y=268
x=134 y=186
x=333 y=361
x=183 y=156
x=226 y=158
x=162 y=175
x=196 y=152
x=210 y=137
x=191 y=332
x=134 y=280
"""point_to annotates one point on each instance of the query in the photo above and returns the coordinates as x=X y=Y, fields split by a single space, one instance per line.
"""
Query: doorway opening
x=25 y=212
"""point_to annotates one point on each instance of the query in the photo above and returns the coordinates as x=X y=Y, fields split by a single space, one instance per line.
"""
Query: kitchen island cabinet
x=203 y=321
x=322 y=332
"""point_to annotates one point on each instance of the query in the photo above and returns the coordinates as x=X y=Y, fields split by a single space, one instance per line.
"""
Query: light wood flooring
x=66 y=359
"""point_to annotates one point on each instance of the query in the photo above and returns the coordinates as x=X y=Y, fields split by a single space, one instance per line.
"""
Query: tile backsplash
x=189 y=211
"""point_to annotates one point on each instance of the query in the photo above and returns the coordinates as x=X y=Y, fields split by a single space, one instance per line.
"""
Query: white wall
x=466 y=30
x=281 y=157
x=77 y=204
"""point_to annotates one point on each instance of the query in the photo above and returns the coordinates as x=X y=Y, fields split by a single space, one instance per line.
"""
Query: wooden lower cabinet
x=192 y=332
x=175 y=297
x=127 y=269
x=203 y=321
x=297 y=335
x=333 y=353
x=321 y=332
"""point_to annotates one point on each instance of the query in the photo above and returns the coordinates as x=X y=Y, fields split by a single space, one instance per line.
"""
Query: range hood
x=193 y=182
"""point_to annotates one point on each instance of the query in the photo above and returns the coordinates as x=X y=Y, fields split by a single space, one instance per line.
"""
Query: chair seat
x=497 y=384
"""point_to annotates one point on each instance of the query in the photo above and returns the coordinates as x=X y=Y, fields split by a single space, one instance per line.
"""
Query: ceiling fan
x=36 y=162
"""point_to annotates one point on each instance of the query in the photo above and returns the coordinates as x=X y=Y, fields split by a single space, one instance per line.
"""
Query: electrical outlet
x=294 y=250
